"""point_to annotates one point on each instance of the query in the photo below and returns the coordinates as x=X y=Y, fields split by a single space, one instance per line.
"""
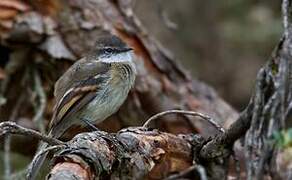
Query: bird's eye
x=108 y=50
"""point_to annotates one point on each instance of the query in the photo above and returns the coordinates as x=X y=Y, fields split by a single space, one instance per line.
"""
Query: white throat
x=120 y=57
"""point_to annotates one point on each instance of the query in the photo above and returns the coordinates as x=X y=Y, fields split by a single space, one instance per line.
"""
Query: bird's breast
x=122 y=73
x=109 y=99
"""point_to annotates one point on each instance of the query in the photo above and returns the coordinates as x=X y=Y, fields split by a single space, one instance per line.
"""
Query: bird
x=91 y=90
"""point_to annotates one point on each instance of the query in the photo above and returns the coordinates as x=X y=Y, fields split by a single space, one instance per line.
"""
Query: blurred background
x=222 y=43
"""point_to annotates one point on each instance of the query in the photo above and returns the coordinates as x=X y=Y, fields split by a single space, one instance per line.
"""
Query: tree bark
x=134 y=153
x=43 y=39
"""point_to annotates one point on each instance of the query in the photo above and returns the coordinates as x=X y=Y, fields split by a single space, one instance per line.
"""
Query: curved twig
x=192 y=113
x=40 y=108
x=9 y=127
x=181 y=175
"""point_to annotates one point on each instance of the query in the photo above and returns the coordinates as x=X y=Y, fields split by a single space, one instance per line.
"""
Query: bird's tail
x=39 y=157
x=37 y=162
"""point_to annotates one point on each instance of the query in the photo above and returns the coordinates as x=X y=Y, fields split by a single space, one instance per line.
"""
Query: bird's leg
x=90 y=126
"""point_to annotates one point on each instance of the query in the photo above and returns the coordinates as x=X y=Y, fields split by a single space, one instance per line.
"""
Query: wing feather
x=77 y=97
x=78 y=72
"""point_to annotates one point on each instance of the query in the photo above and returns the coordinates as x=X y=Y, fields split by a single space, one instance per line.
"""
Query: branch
x=223 y=143
x=7 y=159
x=9 y=127
x=200 y=170
x=40 y=108
x=192 y=113
x=132 y=153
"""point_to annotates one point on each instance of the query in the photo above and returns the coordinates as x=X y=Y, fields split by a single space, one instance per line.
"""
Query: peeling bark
x=133 y=153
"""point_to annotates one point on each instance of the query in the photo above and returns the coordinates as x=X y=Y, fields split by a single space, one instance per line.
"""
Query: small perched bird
x=91 y=90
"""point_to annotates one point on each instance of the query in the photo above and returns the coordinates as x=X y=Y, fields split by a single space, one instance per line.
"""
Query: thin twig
x=164 y=17
x=183 y=174
x=9 y=127
x=50 y=148
x=7 y=139
x=7 y=159
x=285 y=14
x=201 y=170
x=38 y=118
x=192 y=113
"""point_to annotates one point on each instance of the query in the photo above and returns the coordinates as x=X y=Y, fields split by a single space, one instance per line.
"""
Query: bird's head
x=111 y=49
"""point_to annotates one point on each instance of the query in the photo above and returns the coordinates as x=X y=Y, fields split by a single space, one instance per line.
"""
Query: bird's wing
x=79 y=71
x=77 y=97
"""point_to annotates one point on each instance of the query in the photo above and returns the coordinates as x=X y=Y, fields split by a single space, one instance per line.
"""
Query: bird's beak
x=126 y=49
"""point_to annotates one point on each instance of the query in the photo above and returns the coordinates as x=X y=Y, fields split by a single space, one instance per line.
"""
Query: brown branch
x=133 y=153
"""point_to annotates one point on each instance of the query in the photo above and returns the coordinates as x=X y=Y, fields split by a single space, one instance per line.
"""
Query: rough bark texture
x=134 y=153
x=271 y=107
x=42 y=38
x=48 y=31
